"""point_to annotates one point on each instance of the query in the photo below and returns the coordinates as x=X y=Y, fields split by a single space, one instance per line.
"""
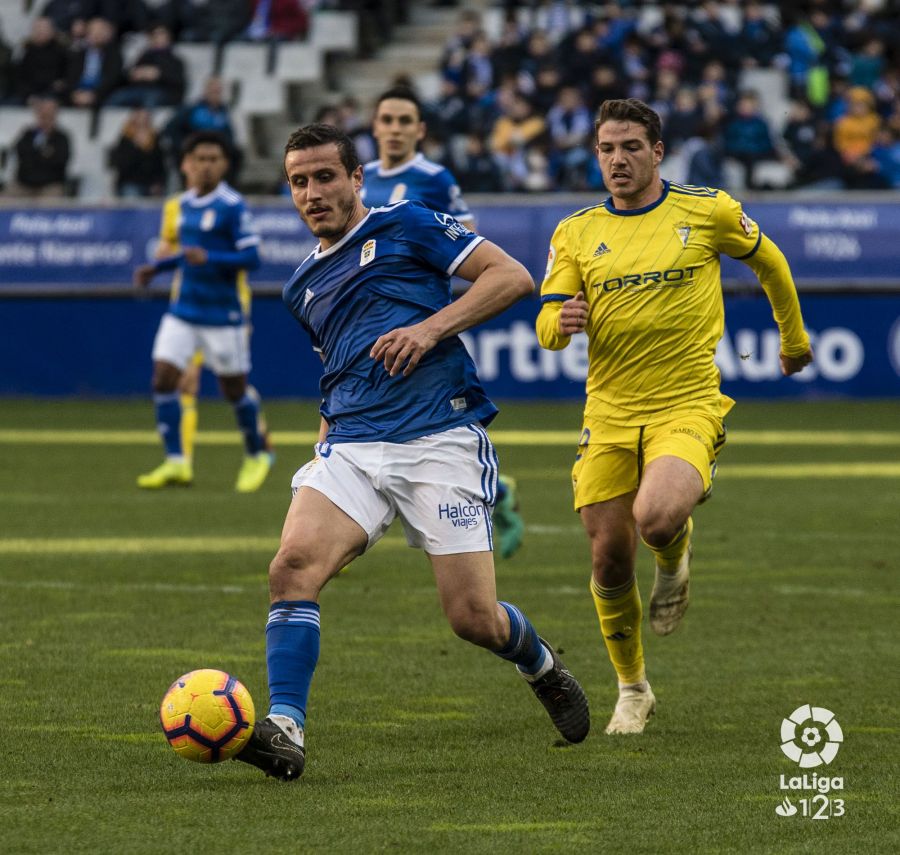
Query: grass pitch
x=418 y=742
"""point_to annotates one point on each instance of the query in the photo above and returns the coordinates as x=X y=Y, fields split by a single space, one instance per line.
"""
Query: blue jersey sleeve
x=451 y=197
x=437 y=238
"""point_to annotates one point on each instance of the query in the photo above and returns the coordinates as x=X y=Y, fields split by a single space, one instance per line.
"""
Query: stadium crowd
x=515 y=110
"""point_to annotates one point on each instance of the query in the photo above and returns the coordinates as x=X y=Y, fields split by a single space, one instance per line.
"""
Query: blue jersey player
x=402 y=173
x=217 y=246
x=402 y=435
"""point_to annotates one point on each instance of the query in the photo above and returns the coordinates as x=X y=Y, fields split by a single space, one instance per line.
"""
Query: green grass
x=417 y=741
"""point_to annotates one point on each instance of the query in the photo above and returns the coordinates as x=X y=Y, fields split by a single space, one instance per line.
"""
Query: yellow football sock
x=619 y=610
x=188 y=424
x=668 y=556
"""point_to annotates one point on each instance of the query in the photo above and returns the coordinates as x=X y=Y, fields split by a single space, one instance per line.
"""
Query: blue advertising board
x=829 y=244
x=96 y=346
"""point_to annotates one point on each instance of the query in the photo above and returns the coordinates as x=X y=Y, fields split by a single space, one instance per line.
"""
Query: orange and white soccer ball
x=207 y=716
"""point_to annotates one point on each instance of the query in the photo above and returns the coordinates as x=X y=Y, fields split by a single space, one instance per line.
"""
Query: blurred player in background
x=189 y=385
x=206 y=314
x=401 y=172
x=640 y=275
x=402 y=433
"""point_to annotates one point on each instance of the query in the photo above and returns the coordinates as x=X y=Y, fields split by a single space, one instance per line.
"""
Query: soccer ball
x=207 y=716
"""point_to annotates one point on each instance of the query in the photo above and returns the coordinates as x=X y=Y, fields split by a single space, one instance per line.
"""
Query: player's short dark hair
x=318 y=133
x=630 y=110
x=198 y=138
x=404 y=93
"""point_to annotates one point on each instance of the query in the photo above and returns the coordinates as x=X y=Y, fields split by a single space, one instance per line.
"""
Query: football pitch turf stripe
x=500 y=437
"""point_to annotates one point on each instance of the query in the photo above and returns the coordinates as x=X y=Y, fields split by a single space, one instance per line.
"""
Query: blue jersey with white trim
x=421 y=180
x=392 y=270
x=219 y=222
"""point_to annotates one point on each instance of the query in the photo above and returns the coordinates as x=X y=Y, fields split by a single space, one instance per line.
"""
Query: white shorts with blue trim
x=226 y=349
x=442 y=487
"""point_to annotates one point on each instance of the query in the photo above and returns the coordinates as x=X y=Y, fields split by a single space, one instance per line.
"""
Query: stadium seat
x=333 y=30
x=298 y=62
x=199 y=64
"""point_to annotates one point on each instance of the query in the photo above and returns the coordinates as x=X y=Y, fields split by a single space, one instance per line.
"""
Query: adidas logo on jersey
x=601 y=250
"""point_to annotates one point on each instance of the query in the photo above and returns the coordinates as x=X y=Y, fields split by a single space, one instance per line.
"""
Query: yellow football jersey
x=652 y=281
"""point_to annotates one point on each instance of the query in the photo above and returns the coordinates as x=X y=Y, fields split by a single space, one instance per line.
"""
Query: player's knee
x=291 y=575
x=477 y=623
x=657 y=529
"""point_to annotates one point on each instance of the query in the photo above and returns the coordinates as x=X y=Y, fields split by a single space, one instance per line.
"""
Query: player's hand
x=795 y=364
x=402 y=349
x=143 y=275
x=195 y=255
x=573 y=315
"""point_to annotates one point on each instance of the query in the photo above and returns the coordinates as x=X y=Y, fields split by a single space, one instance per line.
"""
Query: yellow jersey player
x=640 y=275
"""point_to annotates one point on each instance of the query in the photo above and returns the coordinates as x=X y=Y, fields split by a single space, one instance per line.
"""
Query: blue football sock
x=524 y=647
x=501 y=492
x=292 y=651
x=247 y=412
x=168 y=422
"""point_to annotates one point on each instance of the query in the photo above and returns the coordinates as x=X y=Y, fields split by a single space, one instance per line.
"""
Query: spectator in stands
x=759 y=40
x=216 y=21
x=581 y=59
x=43 y=64
x=42 y=155
x=137 y=158
x=478 y=66
x=604 y=85
x=476 y=170
x=705 y=158
x=855 y=134
x=509 y=51
x=278 y=20
x=69 y=17
x=570 y=127
x=513 y=133
x=157 y=77
x=95 y=68
x=210 y=113
x=547 y=83
x=684 y=121
x=856 y=131
x=350 y=120
x=448 y=114
x=748 y=139
x=800 y=134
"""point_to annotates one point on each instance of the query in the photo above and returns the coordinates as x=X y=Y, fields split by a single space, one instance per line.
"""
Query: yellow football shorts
x=611 y=459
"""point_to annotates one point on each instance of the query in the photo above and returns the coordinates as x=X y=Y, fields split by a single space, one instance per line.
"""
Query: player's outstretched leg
x=671 y=589
x=176 y=469
x=508 y=522
x=619 y=611
x=258 y=460
x=553 y=685
x=277 y=745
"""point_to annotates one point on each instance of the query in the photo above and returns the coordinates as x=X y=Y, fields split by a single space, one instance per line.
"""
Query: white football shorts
x=226 y=349
x=442 y=486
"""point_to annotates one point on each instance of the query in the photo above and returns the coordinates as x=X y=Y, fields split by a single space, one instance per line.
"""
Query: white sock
x=289 y=726
x=545 y=666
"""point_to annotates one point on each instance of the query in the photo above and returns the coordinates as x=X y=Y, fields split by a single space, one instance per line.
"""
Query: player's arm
x=741 y=238
x=498 y=281
x=564 y=309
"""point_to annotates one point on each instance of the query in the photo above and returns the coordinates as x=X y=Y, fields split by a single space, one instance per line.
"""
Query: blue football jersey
x=392 y=270
x=219 y=222
x=420 y=180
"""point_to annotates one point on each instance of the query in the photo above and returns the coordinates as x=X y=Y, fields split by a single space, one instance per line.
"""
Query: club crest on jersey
x=683 y=230
x=603 y=249
x=367 y=254
x=208 y=220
